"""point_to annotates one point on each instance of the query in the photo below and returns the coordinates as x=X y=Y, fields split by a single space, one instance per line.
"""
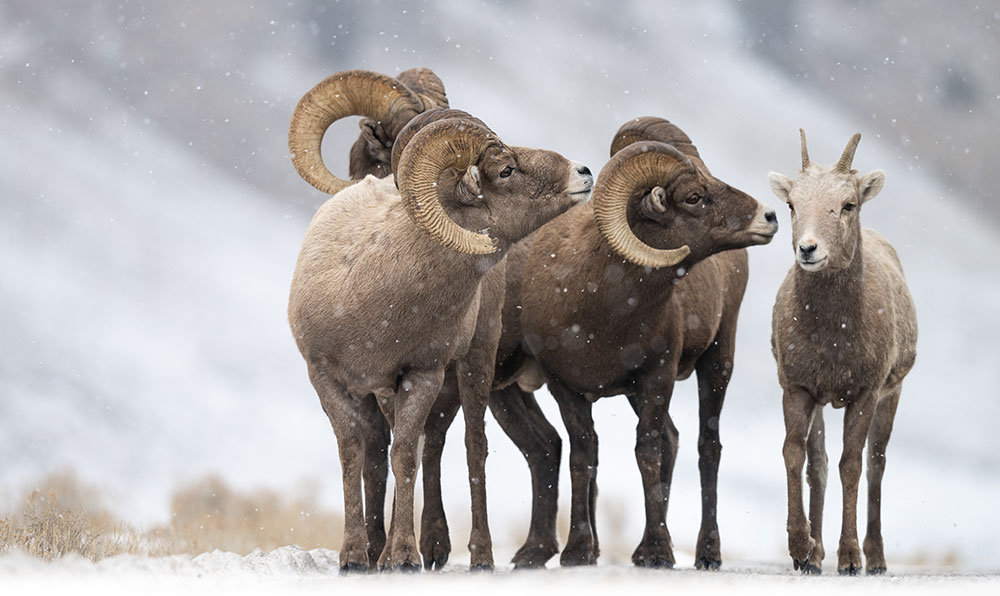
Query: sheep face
x=371 y=152
x=825 y=207
x=512 y=191
x=702 y=212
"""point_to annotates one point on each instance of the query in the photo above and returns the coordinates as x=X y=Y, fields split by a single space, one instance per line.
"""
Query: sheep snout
x=581 y=181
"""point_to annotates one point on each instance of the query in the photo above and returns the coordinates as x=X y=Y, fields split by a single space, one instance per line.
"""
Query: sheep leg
x=474 y=386
x=376 y=469
x=799 y=408
x=652 y=404
x=577 y=415
x=816 y=473
x=412 y=404
x=857 y=423
x=343 y=412
x=522 y=420
x=668 y=454
x=435 y=542
x=878 y=439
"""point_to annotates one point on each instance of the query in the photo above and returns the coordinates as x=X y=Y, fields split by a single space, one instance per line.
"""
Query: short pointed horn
x=844 y=165
x=451 y=143
x=638 y=166
x=805 y=152
x=348 y=93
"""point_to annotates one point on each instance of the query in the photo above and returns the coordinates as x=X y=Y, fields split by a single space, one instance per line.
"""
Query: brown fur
x=371 y=152
x=595 y=325
x=379 y=309
x=844 y=333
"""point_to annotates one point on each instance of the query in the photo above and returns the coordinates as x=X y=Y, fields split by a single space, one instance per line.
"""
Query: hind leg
x=857 y=424
x=878 y=439
x=522 y=420
x=376 y=439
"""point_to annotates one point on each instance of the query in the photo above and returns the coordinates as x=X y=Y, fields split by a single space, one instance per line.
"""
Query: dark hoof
x=533 y=558
x=577 y=557
x=807 y=568
x=408 y=568
x=706 y=564
x=653 y=562
x=481 y=568
x=354 y=568
x=876 y=571
x=850 y=570
x=435 y=563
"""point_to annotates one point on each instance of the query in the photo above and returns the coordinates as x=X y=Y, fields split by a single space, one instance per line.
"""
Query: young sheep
x=596 y=311
x=844 y=332
x=379 y=307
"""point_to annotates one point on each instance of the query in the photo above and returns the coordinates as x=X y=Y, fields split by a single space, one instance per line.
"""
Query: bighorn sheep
x=595 y=310
x=844 y=331
x=380 y=307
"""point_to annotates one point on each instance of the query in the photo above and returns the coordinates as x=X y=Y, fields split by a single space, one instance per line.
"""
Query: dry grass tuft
x=209 y=515
x=63 y=517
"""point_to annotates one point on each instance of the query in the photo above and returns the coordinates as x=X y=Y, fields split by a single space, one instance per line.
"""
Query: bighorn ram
x=625 y=295
x=844 y=331
x=380 y=306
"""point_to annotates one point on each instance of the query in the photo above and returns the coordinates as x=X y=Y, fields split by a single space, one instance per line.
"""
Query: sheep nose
x=771 y=216
x=807 y=249
x=584 y=171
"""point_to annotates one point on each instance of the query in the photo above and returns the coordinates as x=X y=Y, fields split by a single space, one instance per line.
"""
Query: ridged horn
x=417 y=124
x=651 y=128
x=348 y=93
x=426 y=85
x=638 y=166
x=805 y=152
x=451 y=143
x=844 y=165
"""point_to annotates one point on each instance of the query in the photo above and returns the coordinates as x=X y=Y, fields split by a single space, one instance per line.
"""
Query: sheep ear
x=655 y=201
x=470 y=183
x=781 y=185
x=871 y=184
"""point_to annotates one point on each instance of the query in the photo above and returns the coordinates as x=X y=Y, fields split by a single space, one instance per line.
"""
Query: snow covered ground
x=144 y=286
x=292 y=570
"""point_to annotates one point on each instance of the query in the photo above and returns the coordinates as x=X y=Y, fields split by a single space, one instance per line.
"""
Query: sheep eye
x=849 y=207
x=506 y=172
x=693 y=199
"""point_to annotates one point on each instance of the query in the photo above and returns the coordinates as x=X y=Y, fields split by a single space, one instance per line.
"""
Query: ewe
x=844 y=332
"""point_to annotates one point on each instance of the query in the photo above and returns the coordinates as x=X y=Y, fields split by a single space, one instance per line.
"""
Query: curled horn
x=651 y=128
x=426 y=85
x=805 y=152
x=450 y=143
x=348 y=93
x=418 y=123
x=638 y=166
x=844 y=165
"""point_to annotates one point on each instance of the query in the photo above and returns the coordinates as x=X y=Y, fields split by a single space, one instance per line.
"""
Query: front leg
x=651 y=404
x=435 y=542
x=417 y=392
x=474 y=390
x=576 y=411
x=799 y=407
x=857 y=423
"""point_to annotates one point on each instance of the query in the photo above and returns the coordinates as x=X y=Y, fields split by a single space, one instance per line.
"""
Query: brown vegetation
x=62 y=517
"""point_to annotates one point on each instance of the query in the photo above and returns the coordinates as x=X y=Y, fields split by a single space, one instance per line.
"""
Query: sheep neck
x=827 y=297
